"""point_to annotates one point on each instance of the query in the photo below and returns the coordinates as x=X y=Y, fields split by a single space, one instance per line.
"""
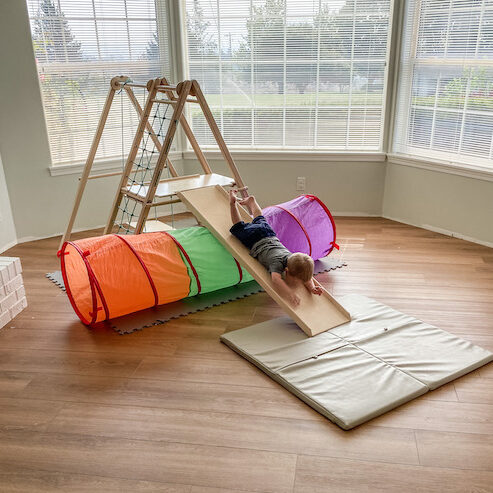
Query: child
x=264 y=246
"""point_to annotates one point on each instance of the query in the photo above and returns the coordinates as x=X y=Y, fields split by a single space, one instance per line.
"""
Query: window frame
x=330 y=155
x=429 y=159
x=179 y=69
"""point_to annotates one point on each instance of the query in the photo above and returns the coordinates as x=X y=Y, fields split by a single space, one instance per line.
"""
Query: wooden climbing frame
x=156 y=191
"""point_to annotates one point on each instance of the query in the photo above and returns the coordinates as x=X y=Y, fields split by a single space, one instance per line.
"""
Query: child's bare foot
x=248 y=201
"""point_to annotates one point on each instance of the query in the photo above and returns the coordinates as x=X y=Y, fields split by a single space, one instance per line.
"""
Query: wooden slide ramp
x=315 y=314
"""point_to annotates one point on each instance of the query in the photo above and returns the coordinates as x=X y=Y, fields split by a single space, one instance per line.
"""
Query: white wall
x=347 y=188
x=8 y=237
x=442 y=202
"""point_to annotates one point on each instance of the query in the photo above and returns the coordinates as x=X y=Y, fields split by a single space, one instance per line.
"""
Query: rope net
x=143 y=168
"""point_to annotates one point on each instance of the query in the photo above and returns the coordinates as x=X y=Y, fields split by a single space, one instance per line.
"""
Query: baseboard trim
x=354 y=214
x=428 y=227
x=446 y=232
x=8 y=245
x=177 y=209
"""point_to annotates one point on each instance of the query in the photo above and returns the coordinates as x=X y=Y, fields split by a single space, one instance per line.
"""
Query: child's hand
x=316 y=289
x=232 y=196
x=294 y=299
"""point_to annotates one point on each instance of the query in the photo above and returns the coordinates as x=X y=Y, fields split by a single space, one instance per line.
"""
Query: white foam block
x=10 y=264
x=20 y=292
x=15 y=262
x=4 y=274
x=4 y=318
x=14 y=284
x=8 y=302
x=17 y=307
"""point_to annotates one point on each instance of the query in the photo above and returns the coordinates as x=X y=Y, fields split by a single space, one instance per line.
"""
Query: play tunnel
x=303 y=224
x=110 y=276
x=113 y=275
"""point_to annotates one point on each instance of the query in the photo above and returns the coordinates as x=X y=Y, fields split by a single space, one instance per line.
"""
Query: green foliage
x=53 y=40
x=453 y=94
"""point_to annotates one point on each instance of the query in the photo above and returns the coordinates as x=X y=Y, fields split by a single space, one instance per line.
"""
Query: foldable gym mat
x=163 y=313
x=359 y=370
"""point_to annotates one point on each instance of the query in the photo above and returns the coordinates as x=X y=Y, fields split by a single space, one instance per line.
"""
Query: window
x=79 y=46
x=445 y=96
x=290 y=74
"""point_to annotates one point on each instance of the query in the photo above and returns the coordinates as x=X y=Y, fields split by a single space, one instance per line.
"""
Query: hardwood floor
x=173 y=410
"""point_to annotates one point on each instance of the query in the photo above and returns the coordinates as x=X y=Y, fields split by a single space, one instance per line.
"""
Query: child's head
x=300 y=265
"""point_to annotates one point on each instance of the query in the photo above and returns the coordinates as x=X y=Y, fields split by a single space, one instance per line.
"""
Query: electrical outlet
x=300 y=183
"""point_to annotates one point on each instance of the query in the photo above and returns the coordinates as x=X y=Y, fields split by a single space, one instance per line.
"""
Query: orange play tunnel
x=96 y=273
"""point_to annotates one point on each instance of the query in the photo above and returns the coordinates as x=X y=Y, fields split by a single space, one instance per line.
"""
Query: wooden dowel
x=165 y=202
x=166 y=87
x=103 y=175
x=133 y=84
x=164 y=101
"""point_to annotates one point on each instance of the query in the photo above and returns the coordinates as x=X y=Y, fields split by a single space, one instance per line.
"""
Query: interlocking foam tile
x=361 y=369
x=163 y=313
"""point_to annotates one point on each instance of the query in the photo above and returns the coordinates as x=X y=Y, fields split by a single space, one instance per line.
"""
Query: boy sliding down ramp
x=305 y=301
x=264 y=245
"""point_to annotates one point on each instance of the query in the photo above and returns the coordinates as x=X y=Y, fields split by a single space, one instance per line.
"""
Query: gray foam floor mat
x=359 y=370
x=163 y=313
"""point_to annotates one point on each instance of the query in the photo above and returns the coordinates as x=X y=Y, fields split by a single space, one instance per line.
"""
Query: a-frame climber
x=149 y=143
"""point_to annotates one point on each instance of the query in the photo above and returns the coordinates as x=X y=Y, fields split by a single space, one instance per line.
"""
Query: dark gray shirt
x=271 y=253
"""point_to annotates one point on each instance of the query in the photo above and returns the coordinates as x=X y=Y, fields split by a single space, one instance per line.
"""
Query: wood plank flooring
x=170 y=409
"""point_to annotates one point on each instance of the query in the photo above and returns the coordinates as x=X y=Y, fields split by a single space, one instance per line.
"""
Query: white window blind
x=291 y=74
x=445 y=96
x=79 y=46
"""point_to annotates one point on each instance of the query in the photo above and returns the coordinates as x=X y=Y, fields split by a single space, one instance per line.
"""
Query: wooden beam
x=90 y=159
x=219 y=138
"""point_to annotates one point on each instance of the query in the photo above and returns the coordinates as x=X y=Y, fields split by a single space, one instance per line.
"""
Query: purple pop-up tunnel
x=304 y=225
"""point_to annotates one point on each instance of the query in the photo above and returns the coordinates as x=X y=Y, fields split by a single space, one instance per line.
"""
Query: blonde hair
x=300 y=265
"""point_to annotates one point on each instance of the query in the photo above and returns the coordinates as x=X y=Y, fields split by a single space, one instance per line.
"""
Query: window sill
x=98 y=167
x=468 y=171
x=292 y=155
